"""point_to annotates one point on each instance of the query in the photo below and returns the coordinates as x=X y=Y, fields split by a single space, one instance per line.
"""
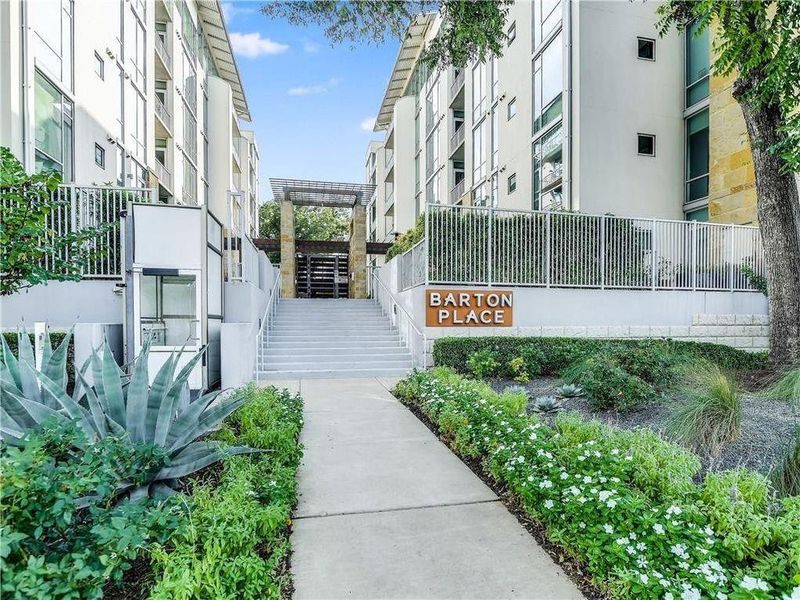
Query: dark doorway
x=322 y=276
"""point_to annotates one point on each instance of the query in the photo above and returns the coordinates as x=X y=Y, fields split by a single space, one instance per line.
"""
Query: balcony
x=163 y=54
x=457 y=85
x=457 y=139
x=163 y=115
x=164 y=176
x=457 y=191
x=553 y=178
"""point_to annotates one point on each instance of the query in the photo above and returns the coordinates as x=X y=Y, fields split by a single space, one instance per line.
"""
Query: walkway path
x=387 y=511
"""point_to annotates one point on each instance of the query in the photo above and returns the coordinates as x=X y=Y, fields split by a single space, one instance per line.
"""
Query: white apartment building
x=135 y=93
x=588 y=109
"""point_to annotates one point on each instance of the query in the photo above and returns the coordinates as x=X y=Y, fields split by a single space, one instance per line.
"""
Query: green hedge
x=628 y=504
x=235 y=543
x=560 y=353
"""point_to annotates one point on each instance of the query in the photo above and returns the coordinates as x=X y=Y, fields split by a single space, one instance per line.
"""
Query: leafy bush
x=560 y=353
x=407 y=239
x=787 y=475
x=533 y=358
x=237 y=541
x=517 y=368
x=608 y=386
x=642 y=527
x=159 y=414
x=712 y=412
x=482 y=363
x=61 y=535
x=658 y=365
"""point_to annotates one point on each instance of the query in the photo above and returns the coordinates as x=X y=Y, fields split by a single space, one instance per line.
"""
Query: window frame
x=511 y=186
x=512 y=102
x=651 y=136
x=652 y=41
x=101 y=63
x=101 y=152
x=511 y=33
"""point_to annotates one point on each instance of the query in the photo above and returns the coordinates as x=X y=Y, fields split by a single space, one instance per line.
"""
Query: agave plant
x=546 y=404
x=570 y=391
x=515 y=389
x=114 y=404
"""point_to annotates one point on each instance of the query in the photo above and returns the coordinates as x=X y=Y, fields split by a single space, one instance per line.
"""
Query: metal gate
x=322 y=276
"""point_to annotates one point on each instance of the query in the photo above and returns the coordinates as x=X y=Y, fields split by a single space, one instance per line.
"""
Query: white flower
x=587 y=479
x=611 y=503
x=564 y=475
x=753 y=583
x=690 y=593
x=608 y=528
x=622 y=541
x=546 y=484
x=674 y=510
x=548 y=504
x=658 y=528
x=644 y=578
x=669 y=596
x=604 y=495
x=630 y=550
x=795 y=594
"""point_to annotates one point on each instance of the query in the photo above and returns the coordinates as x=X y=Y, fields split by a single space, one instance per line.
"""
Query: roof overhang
x=219 y=43
x=410 y=49
x=302 y=192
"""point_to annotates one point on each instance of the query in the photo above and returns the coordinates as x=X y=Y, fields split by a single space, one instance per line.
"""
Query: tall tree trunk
x=779 y=219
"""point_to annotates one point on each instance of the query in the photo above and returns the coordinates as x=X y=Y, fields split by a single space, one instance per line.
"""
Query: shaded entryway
x=352 y=196
x=322 y=276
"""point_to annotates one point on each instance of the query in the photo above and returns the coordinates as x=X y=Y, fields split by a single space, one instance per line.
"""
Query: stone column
x=288 y=261
x=358 y=252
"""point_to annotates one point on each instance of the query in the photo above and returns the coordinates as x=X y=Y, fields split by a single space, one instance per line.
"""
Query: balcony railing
x=458 y=83
x=163 y=114
x=163 y=54
x=164 y=176
x=457 y=138
x=457 y=191
x=389 y=202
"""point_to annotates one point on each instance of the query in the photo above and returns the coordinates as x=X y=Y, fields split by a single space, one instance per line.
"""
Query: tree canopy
x=472 y=30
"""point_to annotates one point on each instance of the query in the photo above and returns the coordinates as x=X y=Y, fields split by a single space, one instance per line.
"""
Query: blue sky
x=312 y=104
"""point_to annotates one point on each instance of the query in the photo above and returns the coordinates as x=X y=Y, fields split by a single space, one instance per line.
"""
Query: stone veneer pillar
x=288 y=261
x=358 y=252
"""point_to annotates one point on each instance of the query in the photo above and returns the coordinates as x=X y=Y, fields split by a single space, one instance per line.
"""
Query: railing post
x=427 y=245
x=731 y=233
x=547 y=237
x=602 y=252
x=73 y=205
x=490 y=258
x=694 y=256
x=653 y=265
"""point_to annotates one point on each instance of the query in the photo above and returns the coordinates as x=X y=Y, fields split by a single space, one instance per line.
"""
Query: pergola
x=300 y=192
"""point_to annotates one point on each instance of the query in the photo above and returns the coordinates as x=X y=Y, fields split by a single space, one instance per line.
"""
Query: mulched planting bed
x=573 y=568
x=768 y=425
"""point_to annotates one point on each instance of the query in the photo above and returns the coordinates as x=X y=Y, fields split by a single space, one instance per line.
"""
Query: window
x=697 y=156
x=512 y=33
x=697 y=63
x=478 y=90
x=698 y=215
x=646 y=48
x=512 y=183
x=189 y=182
x=512 y=108
x=53 y=128
x=99 y=66
x=168 y=315
x=99 y=156
x=495 y=137
x=495 y=79
x=546 y=18
x=52 y=22
x=547 y=170
x=547 y=84
x=478 y=153
x=646 y=144
x=189 y=133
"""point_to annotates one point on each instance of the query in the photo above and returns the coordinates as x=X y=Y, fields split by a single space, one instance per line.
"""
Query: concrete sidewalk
x=387 y=511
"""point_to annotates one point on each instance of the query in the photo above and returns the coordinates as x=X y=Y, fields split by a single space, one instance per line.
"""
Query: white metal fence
x=75 y=208
x=486 y=246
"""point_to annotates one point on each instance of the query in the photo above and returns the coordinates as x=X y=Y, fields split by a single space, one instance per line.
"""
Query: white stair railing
x=415 y=340
x=262 y=338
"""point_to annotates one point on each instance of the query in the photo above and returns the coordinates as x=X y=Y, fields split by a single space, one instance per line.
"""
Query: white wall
x=63 y=303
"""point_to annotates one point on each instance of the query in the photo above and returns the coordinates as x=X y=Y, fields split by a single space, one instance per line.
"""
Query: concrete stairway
x=311 y=338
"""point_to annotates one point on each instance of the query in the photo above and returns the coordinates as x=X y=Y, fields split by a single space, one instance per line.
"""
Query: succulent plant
x=114 y=403
x=515 y=389
x=546 y=404
x=570 y=391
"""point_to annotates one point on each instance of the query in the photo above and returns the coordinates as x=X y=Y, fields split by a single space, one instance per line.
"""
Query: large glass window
x=478 y=153
x=168 y=315
x=53 y=128
x=189 y=182
x=547 y=84
x=189 y=133
x=697 y=156
x=547 y=171
x=495 y=79
x=495 y=138
x=698 y=48
x=478 y=90
x=52 y=22
x=189 y=83
x=546 y=17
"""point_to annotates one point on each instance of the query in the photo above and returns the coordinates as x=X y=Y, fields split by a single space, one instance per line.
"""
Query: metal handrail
x=272 y=305
x=409 y=320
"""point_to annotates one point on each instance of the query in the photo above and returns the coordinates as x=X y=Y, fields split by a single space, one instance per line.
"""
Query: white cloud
x=230 y=11
x=252 y=45
x=310 y=47
x=313 y=90
x=368 y=124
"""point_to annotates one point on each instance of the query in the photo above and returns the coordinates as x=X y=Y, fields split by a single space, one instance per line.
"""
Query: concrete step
x=334 y=366
x=334 y=346
x=343 y=326
x=355 y=359
x=332 y=373
x=350 y=351
x=321 y=335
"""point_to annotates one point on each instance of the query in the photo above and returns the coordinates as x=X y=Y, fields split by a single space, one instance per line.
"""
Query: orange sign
x=469 y=308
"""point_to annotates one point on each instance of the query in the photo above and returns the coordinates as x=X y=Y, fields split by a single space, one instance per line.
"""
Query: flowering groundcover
x=624 y=502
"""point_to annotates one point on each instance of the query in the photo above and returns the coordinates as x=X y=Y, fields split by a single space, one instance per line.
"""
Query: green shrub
x=61 y=535
x=237 y=540
x=656 y=364
x=407 y=240
x=642 y=528
x=518 y=370
x=560 y=353
x=533 y=358
x=711 y=415
x=786 y=388
x=787 y=475
x=608 y=386
x=483 y=363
